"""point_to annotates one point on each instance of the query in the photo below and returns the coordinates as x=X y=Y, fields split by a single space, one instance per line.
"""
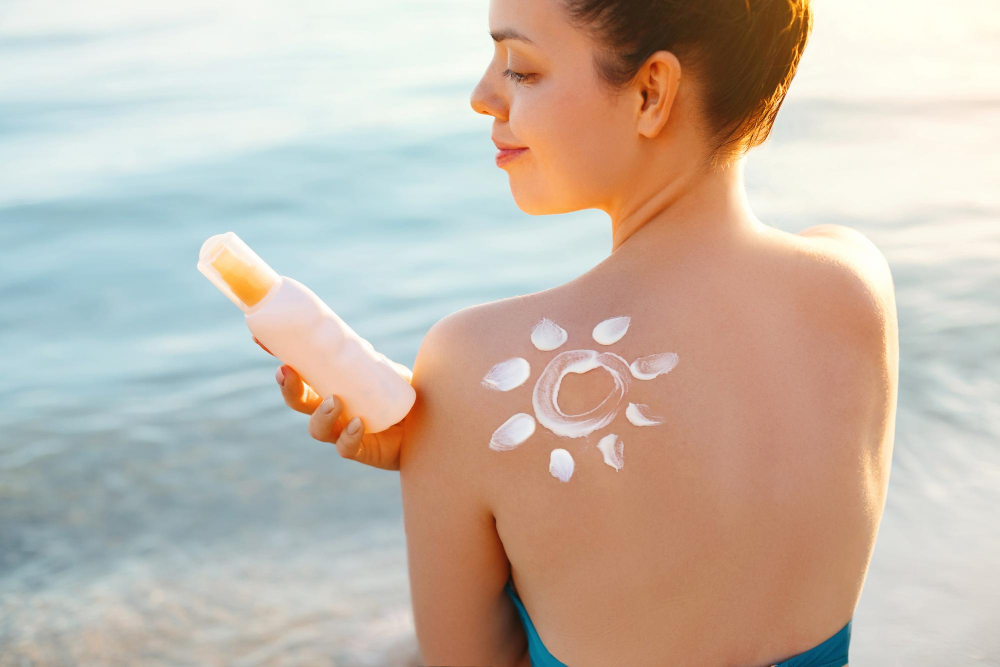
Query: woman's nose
x=486 y=101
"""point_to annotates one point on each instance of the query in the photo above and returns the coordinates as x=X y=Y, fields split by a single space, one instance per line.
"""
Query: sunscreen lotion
x=300 y=330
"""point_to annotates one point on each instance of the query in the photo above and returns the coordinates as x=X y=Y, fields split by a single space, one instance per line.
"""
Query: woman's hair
x=744 y=53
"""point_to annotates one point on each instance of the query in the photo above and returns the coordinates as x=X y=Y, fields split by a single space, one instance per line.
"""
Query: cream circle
x=545 y=396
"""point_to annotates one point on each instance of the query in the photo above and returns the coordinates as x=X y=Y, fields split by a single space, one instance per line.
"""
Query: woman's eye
x=516 y=76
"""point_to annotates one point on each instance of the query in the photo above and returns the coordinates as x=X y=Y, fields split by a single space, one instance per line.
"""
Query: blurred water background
x=159 y=505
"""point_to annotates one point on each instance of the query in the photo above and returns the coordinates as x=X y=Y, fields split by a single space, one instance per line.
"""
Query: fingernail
x=327 y=405
x=279 y=375
x=354 y=425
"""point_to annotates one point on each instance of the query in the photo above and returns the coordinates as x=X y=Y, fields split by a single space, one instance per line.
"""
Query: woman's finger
x=349 y=444
x=323 y=421
x=297 y=394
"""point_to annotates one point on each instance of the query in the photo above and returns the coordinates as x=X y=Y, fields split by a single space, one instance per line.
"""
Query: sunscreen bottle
x=300 y=330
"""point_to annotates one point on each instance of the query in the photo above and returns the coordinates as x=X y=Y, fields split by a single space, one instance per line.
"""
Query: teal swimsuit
x=831 y=653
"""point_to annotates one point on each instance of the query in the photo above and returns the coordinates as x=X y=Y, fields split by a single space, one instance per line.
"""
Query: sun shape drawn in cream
x=546 y=336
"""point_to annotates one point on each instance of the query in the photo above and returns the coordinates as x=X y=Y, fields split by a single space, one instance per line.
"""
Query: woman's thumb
x=349 y=444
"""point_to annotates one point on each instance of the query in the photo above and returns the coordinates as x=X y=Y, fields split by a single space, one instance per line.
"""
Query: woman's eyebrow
x=508 y=33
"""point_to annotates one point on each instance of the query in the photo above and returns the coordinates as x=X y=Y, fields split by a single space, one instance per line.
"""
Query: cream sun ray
x=636 y=413
x=547 y=335
x=647 y=368
x=512 y=432
x=507 y=374
x=611 y=330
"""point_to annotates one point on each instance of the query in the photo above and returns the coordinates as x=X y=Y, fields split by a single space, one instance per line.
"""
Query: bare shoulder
x=440 y=405
x=842 y=289
x=837 y=318
x=852 y=280
x=462 y=340
x=446 y=426
x=857 y=255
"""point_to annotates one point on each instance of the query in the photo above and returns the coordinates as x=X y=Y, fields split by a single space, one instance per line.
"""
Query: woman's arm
x=457 y=563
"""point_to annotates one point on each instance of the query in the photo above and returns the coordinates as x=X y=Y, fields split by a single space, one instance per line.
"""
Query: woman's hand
x=327 y=423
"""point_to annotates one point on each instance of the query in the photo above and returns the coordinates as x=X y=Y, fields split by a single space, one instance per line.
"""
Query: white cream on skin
x=611 y=330
x=544 y=397
x=512 y=432
x=561 y=464
x=647 y=368
x=547 y=335
x=637 y=413
x=508 y=374
x=613 y=449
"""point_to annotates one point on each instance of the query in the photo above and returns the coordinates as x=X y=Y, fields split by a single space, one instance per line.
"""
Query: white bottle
x=300 y=330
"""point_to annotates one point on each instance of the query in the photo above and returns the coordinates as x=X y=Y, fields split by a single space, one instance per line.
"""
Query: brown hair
x=744 y=53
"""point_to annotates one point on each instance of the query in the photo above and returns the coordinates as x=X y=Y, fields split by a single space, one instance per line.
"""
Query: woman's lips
x=505 y=155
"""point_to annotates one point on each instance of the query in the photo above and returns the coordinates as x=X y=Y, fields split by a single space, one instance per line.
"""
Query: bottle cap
x=236 y=270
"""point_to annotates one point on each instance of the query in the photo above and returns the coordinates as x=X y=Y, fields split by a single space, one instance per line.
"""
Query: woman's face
x=581 y=140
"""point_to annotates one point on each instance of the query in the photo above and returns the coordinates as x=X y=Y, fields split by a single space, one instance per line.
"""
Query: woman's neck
x=694 y=210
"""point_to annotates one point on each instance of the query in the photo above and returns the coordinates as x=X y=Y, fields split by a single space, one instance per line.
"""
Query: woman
x=710 y=494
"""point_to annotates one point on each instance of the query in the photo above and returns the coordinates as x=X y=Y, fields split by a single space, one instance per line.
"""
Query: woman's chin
x=531 y=205
x=534 y=202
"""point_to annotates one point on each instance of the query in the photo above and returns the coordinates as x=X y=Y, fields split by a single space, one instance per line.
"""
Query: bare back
x=738 y=531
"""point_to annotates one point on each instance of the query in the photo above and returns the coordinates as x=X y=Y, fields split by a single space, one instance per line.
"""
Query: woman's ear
x=658 y=80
